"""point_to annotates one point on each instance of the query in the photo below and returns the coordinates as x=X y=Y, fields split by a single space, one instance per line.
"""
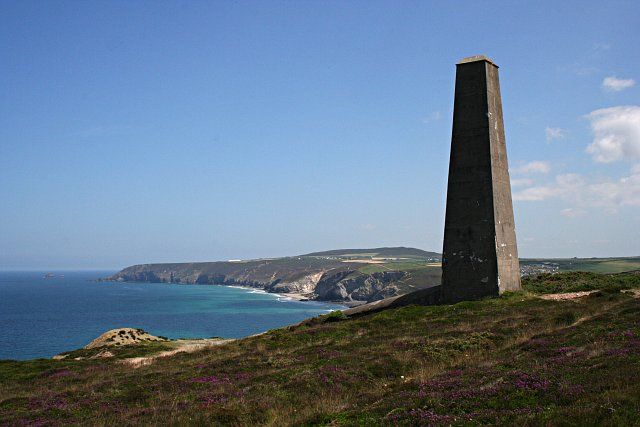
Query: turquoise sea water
x=42 y=317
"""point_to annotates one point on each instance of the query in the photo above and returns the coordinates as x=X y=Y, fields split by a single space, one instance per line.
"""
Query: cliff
x=350 y=276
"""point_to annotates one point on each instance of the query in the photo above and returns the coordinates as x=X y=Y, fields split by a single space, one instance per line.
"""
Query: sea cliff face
x=328 y=280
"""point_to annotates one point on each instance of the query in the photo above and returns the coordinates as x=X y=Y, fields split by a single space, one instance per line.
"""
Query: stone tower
x=480 y=256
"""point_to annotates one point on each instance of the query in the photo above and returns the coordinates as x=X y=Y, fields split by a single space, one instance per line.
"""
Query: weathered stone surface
x=480 y=256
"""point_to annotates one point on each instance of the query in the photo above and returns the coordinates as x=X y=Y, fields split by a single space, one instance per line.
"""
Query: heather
x=517 y=359
x=577 y=281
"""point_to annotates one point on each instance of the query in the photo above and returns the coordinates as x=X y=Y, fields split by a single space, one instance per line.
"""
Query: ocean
x=41 y=317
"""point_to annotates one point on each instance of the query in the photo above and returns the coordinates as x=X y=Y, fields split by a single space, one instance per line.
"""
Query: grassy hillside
x=578 y=281
x=422 y=267
x=594 y=265
x=398 y=252
x=517 y=359
x=259 y=271
x=601 y=265
x=351 y=276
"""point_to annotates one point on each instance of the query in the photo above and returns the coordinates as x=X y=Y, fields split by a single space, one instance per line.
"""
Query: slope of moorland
x=397 y=252
x=594 y=265
x=517 y=359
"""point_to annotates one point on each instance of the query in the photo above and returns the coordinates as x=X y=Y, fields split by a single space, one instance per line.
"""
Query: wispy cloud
x=579 y=69
x=583 y=193
x=521 y=182
x=614 y=84
x=572 y=212
x=616 y=134
x=554 y=133
x=563 y=185
x=536 y=166
x=432 y=117
x=600 y=47
x=589 y=62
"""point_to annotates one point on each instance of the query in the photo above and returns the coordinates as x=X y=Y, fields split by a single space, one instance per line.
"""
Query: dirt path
x=566 y=296
x=182 y=346
x=573 y=295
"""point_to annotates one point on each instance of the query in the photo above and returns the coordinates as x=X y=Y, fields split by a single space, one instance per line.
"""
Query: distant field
x=595 y=265
x=358 y=255
x=431 y=270
x=394 y=266
x=397 y=252
x=607 y=266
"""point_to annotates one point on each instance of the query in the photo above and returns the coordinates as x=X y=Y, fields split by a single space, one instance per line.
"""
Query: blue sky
x=136 y=132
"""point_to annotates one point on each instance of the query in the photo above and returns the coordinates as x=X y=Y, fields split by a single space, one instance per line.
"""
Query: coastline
x=297 y=296
x=291 y=296
x=196 y=312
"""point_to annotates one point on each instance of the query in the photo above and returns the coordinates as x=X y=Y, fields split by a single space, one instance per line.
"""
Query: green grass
x=594 y=265
x=144 y=348
x=392 y=266
x=419 y=279
x=424 y=274
x=359 y=255
x=610 y=266
x=419 y=274
x=373 y=268
x=516 y=359
x=580 y=281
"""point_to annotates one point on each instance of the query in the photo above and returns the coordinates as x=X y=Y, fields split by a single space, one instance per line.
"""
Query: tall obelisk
x=480 y=255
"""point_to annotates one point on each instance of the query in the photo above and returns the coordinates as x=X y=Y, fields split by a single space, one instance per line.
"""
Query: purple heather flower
x=212 y=379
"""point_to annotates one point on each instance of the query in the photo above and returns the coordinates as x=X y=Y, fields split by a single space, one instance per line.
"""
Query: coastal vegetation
x=516 y=359
x=594 y=265
x=581 y=281
x=348 y=276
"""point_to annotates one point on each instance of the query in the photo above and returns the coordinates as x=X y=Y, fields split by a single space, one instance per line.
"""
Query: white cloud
x=521 y=182
x=533 y=167
x=613 y=194
x=581 y=193
x=616 y=133
x=614 y=84
x=554 y=133
x=572 y=212
x=535 y=194
x=564 y=184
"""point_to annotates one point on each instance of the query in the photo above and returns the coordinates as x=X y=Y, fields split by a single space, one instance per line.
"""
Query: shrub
x=565 y=318
x=577 y=281
x=335 y=316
